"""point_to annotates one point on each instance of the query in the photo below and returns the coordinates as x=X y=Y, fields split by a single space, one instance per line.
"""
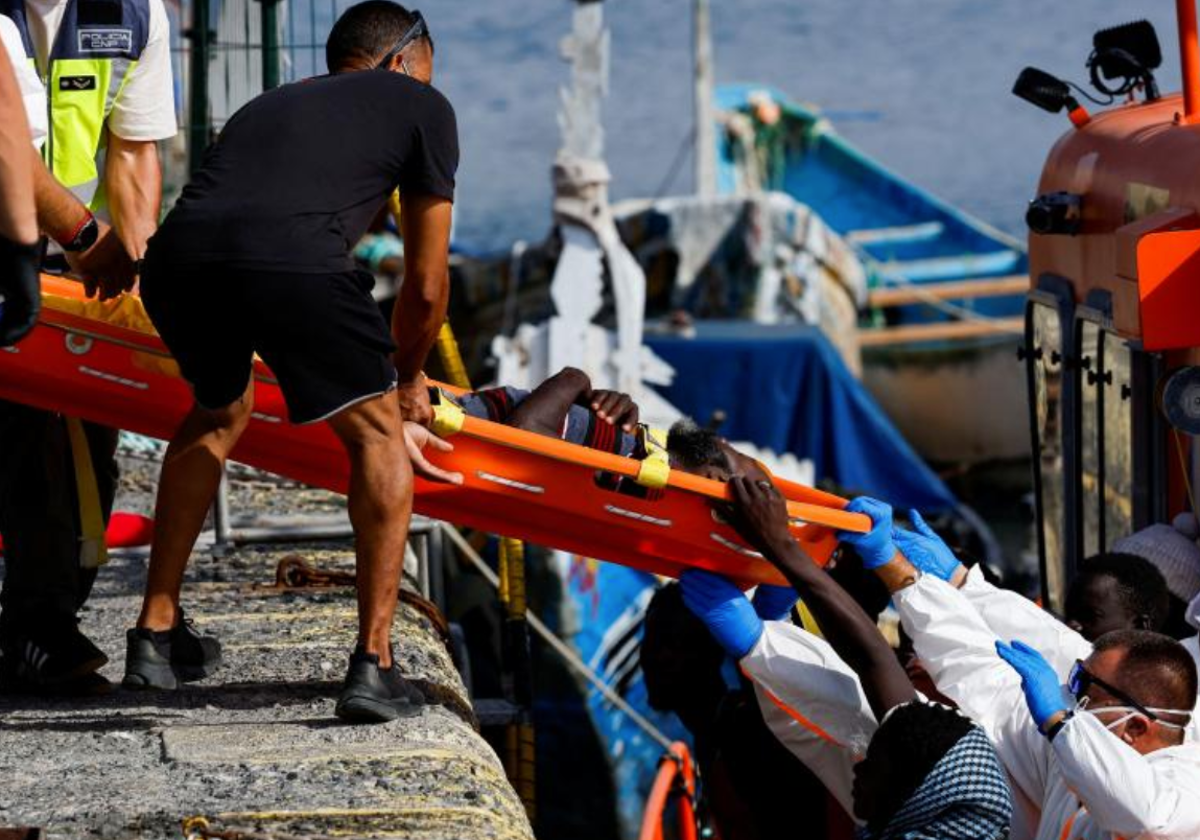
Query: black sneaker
x=166 y=658
x=376 y=695
x=49 y=658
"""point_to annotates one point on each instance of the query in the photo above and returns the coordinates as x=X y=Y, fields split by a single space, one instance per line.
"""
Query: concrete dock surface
x=256 y=747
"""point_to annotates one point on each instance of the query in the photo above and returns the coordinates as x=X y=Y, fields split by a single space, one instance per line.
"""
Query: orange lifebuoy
x=676 y=774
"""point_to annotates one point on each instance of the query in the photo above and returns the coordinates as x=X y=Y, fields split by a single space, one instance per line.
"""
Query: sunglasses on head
x=1081 y=679
x=419 y=29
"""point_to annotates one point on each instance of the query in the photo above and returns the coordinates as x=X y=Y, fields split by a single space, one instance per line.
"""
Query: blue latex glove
x=874 y=547
x=1042 y=687
x=725 y=611
x=925 y=549
x=773 y=603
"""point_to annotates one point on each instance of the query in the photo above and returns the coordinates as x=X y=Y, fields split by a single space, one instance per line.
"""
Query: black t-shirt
x=298 y=174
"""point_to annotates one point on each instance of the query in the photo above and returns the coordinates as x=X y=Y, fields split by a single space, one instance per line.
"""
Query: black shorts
x=322 y=335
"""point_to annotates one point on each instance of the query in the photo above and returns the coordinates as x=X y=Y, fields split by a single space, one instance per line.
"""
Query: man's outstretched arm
x=106 y=266
x=421 y=307
x=759 y=513
x=1007 y=614
x=545 y=409
x=959 y=651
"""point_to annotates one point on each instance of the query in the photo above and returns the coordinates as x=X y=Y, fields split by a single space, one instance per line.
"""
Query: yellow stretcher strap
x=448 y=417
x=394 y=209
x=93 y=551
x=655 y=469
x=451 y=358
x=807 y=620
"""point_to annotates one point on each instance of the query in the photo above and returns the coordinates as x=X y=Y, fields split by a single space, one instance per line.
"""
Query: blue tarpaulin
x=786 y=388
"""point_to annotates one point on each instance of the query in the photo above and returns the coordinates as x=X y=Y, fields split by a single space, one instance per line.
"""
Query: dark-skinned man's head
x=1117 y=592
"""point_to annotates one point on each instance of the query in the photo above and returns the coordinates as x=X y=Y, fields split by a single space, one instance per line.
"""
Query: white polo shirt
x=33 y=95
x=145 y=109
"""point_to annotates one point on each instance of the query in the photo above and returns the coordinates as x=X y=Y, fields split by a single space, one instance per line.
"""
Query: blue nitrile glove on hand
x=874 y=547
x=725 y=611
x=774 y=603
x=925 y=549
x=1042 y=687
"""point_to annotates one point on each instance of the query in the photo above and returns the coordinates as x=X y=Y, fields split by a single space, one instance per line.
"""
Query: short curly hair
x=1140 y=586
x=920 y=734
x=693 y=447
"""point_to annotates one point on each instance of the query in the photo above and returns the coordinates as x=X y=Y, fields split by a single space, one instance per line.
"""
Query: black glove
x=21 y=290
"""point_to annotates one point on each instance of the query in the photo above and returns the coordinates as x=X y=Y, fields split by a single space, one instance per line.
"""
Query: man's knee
x=232 y=418
x=372 y=423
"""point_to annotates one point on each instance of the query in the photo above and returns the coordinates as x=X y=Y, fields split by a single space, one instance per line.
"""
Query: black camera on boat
x=1055 y=213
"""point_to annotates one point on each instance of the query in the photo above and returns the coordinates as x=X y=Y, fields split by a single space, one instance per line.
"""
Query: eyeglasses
x=1081 y=679
x=418 y=29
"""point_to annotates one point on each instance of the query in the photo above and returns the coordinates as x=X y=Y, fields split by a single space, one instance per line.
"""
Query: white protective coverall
x=1087 y=784
x=813 y=703
x=1010 y=616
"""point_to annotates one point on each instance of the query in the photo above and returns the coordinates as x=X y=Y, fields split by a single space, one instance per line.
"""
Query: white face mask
x=1130 y=713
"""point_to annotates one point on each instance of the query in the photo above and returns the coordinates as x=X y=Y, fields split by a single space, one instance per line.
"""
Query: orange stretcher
x=103 y=362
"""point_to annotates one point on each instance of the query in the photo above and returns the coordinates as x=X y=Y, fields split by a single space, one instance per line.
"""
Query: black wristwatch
x=85 y=236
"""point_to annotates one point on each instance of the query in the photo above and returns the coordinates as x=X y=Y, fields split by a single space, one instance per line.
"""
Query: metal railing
x=226 y=52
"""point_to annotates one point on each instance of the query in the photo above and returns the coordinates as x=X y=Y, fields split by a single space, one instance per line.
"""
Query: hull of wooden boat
x=958 y=403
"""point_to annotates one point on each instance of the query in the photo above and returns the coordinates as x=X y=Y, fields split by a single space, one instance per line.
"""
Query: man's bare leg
x=380 y=501
x=190 y=474
x=162 y=651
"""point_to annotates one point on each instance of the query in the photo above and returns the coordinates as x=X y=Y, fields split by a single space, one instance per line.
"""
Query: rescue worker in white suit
x=903 y=767
x=1102 y=760
x=1011 y=616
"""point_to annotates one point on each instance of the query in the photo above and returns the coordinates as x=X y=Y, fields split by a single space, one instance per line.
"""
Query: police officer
x=106 y=68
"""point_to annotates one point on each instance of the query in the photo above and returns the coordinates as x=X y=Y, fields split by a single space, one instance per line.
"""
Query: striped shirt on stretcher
x=580 y=426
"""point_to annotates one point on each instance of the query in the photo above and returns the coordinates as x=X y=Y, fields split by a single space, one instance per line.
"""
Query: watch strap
x=83 y=237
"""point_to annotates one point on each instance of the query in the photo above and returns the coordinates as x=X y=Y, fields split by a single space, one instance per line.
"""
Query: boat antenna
x=705 y=132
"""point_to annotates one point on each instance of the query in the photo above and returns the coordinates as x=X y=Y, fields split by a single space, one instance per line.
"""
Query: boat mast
x=706 y=141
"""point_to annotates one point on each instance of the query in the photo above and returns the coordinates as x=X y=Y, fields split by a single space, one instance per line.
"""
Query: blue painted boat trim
x=853 y=192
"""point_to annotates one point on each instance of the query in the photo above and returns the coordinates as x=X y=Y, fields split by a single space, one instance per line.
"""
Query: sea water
x=922 y=85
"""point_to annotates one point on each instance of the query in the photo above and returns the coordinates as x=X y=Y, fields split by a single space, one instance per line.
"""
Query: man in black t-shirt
x=255 y=258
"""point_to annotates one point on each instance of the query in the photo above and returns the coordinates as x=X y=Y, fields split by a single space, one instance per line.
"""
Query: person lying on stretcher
x=566 y=406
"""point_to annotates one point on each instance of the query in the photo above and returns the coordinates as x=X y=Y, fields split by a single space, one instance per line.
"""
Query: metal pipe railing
x=1189 y=55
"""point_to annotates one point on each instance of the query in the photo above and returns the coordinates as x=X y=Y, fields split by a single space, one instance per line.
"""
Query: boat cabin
x=1112 y=324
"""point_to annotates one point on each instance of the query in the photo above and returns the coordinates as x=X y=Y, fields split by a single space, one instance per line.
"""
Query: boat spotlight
x=1049 y=93
x=1126 y=54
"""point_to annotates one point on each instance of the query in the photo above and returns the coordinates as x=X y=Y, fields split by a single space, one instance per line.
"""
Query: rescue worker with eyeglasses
x=1093 y=735
x=109 y=98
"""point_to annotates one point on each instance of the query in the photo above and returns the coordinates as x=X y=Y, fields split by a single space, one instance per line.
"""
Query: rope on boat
x=560 y=647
